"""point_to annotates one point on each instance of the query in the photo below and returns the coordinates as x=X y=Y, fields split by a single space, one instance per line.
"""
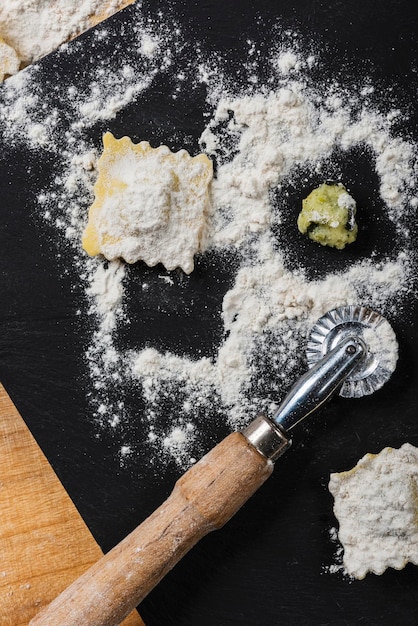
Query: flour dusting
x=269 y=134
x=35 y=28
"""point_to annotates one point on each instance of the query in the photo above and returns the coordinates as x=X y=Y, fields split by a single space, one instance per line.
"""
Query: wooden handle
x=44 y=543
x=203 y=499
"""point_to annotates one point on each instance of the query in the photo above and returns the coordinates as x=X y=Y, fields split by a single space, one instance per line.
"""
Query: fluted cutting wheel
x=374 y=330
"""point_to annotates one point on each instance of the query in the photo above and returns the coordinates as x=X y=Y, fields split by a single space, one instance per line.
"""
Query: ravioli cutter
x=344 y=355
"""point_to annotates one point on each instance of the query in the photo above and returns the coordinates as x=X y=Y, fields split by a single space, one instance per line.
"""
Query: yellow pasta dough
x=9 y=61
x=150 y=204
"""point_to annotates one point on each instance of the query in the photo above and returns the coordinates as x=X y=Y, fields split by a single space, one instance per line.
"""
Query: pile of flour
x=261 y=135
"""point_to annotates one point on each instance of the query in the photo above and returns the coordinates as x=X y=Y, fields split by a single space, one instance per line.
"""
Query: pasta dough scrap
x=328 y=216
x=376 y=504
x=150 y=204
x=9 y=61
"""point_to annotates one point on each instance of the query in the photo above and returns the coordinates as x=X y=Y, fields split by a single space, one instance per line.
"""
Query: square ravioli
x=150 y=204
x=376 y=504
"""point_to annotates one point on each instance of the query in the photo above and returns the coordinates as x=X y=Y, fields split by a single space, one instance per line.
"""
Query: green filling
x=328 y=216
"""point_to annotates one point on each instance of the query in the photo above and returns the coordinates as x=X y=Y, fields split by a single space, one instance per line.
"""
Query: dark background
x=266 y=566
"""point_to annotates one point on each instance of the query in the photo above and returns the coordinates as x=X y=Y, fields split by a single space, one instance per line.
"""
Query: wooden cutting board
x=44 y=543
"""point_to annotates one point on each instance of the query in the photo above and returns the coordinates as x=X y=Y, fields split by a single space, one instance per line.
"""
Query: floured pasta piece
x=9 y=61
x=376 y=504
x=328 y=216
x=150 y=204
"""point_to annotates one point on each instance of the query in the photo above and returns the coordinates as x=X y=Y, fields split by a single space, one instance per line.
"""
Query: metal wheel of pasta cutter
x=344 y=353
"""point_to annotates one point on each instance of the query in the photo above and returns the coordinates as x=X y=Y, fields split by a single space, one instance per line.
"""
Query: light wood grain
x=204 y=499
x=44 y=543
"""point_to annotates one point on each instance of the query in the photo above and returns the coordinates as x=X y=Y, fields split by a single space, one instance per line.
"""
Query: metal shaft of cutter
x=320 y=383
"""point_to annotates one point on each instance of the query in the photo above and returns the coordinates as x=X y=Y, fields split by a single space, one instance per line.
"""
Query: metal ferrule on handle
x=310 y=392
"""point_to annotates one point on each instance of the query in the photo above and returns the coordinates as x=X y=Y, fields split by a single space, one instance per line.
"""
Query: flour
x=179 y=439
x=150 y=204
x=381 y=341
x=376 y=506
x=107 y=290
x=288 y=61
x=148 y=45
x=25 y=114
x=272 y=134
x=275 y=133
x=263 y=143
x=35 y=28
x=268 y=301
x=346 y=201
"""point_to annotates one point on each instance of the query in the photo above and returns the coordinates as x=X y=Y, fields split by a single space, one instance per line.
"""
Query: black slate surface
x=266 y=566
